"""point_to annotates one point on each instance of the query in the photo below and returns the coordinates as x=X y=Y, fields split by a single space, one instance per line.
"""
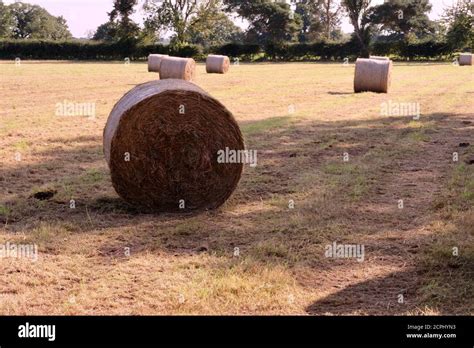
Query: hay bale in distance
x=154 y=62
x=171 y=131
x=178 y=68
x=372 y=75
x=379 y=58
x=466 y=59
x=216 y=64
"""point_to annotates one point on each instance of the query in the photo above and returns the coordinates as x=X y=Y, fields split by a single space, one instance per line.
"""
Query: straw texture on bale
x=466 y=59
x=372 y=75
x=178 y=68
x=379 y=58
x=172 y=132
x=154 y=62
x=216 y=64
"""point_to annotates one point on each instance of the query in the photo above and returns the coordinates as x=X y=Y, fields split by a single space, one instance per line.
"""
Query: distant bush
x=319 y=50
x=185 y=51
x=426 y=49
x=236 y=50
x=143 y=51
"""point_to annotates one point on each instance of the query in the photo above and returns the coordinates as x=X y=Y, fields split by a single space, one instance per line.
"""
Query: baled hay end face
x=178 y=68
x=372 y=75
x=162 y=143
x=154 y=62
x=216 y=64
x=466 y=59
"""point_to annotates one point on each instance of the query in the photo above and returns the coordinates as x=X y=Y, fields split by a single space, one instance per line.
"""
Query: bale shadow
x=340 y=93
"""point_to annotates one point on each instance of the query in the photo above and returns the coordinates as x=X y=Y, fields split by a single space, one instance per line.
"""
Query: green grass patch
x=188 y=227
x=4 y=210
x=266 y=124
x=348 y=179
x=461 y=186
x=22 y=145
x=92 y=176
x=419 y=136
x=415 y=124
x=421 y=124
x=50 y=235
x=342 y=168
x=270 y=249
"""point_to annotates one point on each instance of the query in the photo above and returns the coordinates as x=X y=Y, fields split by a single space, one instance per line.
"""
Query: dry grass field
x=301 y=118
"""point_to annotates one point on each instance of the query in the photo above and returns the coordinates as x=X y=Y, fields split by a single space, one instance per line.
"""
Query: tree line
x=267 y=23
x=24 y=21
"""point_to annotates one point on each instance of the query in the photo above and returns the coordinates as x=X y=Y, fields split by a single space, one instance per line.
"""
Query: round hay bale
x=154 y=62
x=379 y=58
x=177 y=68
x=372 y=75
x=216 y=64
x=466 y=59
x=161 y=143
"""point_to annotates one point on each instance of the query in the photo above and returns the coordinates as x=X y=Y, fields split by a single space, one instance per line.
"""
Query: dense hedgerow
x=92 y=50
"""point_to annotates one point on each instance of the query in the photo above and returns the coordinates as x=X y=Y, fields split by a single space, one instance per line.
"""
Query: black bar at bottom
x=164 y=331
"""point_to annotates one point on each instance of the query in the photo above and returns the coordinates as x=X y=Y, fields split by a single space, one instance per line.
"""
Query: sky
x=84 y=16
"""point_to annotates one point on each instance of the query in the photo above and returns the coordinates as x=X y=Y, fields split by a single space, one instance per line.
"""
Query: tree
x=311 y=25
x=270 y=22
x=403 y=19
x=460 y=21
x=149 y=34
x=179 y=16
x=106 y=32
x=331 y=17
x=124 y=28
x=5 y=21
x=34 y=22
x=358 y=15
x=215 y=31
x=321 y=19
x=60 y=29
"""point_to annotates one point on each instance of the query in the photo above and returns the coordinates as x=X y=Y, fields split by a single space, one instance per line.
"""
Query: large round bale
x=372 y=75
x=379 y=58
x=177 y=68
x=161 y=143
x=216 y=64
x=154 y=62
x=466 y=59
